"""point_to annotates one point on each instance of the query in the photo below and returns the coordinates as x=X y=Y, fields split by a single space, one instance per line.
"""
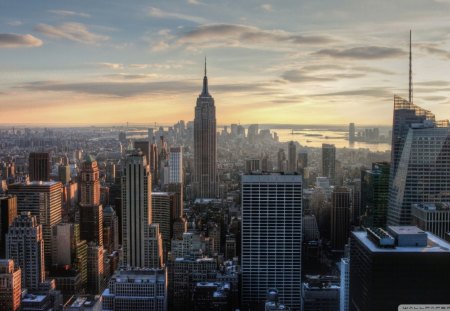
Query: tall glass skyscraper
x=205 y=148
x=271 y=238
x=422 y=173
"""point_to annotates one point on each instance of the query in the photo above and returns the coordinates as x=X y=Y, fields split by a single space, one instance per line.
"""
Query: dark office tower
x=39 y=166
x=8 y=212
x=271 y=238
x=281 y=157
x=351 y=133
x=144 y=146
x=340 y=217
x=64 y=174
x=205 y=148
x=329 y=162
x=43 y=200
x=154 y=168
x=162 y=210
x=302 y=161
x=95 y=269
x=91 y=211
x=110 y=229
x=25 y=245
x=292 y=157
x=403 y=265
x=374 y=195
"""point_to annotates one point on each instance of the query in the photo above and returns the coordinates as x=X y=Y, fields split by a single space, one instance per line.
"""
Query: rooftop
x=434 y=244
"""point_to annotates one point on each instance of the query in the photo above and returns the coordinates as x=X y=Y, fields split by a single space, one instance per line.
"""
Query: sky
x=285 y=61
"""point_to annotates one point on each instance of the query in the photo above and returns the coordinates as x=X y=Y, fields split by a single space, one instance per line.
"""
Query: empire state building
x=205 y=147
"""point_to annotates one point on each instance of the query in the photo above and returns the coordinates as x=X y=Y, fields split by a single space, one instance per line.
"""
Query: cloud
x=12 y=40
x=378 y=92
x=299 y=76
x=363 y=52
x=194 y=2
x=136 y=88
x=71 y=31
x=435 y=98
x=433 y=83
x=138 y=66
x=15 y=23
x=238 y=35
x=155 y=12
x=160 y=46
x=111 y=65
x=124 y=76
x=266 y=7
x=436 y=51
x=66 y=13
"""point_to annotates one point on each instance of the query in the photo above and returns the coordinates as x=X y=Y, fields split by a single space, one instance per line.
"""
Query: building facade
x=271 y=211
x=205 y=145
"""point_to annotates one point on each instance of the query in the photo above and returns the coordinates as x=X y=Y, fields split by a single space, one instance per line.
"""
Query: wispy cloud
x=111 y=65
x=362 y=52
x=66 y=13
x=15 y=23
x=377 y=92
x=243 y=35
x=155 y=12
x=136 y=88
x=12 y=40
x=299 y=76
x=71 y=31
x=194 y=2
x=159 y=46
x=437 y=51
x=266 y=7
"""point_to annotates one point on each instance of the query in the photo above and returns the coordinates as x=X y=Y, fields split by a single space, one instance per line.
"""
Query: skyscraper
x=374 y=194
x=403 y=265
x=292 y=157
x=271 y=237
x=10 y=285
x=162 y=209
x=205 y=148
x=419 y=157
x=39 y=166
x=91 y=211
x=43 y=200
x=422 y=173
x=25 y=245
x=95 y=269
x=340 y=217
x=351 y=133
x=8 y=212
x=176 y=180
x=176 y=165
x=329 y=162
x=136 y=211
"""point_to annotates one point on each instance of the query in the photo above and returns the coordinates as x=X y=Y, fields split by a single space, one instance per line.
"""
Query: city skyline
x=268 y=62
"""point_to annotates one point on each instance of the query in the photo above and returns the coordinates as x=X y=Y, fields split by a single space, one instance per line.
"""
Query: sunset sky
x=285 y=61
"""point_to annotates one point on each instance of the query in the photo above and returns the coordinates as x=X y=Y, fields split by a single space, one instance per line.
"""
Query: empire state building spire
x=205 y=84
x=205 y=181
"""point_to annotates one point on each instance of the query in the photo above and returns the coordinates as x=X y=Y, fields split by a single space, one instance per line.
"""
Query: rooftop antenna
x=205 y=66
x=410 y=69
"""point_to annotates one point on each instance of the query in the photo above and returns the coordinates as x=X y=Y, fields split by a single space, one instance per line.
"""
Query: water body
x=316 y=137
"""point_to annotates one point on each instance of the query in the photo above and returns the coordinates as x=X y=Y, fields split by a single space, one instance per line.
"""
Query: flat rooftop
x=271 y=178
x=434 y=245
x=406 y=230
